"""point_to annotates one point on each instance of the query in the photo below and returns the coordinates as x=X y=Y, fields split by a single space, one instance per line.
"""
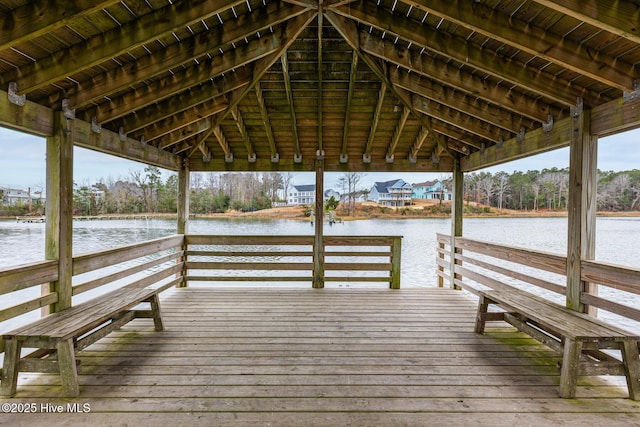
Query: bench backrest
x=611 y=292
x=25 y=289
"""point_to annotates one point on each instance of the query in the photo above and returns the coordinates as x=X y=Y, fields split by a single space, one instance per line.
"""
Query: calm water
x=616 y=241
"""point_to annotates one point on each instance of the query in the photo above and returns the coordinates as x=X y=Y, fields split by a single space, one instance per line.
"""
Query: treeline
x=146 y=192
x=549 y=189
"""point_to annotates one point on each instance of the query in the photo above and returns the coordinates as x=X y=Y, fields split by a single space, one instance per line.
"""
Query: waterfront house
x=306 y=195
x=391 y=193
x=431 y=190
x=301 y=195
x=318 y=86
x=15 y=196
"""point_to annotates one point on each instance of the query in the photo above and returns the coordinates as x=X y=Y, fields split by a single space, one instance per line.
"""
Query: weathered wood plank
x=317 y=353
x=106 y=258
x=27 y=275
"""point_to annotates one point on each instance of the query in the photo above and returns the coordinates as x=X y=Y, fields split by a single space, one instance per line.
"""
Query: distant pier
x=30 y=219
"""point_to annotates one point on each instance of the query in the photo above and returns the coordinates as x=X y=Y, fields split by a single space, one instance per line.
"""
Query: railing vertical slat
x=396 y=251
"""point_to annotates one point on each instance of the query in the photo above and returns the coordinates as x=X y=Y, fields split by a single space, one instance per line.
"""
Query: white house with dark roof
x=306 y=195
x=391 y=193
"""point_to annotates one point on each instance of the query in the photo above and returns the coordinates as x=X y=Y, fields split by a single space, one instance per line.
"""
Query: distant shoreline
x=362 y=212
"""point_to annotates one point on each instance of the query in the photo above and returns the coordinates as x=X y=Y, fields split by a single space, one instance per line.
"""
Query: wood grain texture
x=316 y=357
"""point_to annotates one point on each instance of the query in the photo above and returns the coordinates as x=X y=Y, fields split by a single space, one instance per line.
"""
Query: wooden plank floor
x=332 y=357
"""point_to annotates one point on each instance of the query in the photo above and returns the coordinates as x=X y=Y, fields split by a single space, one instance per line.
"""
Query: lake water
x=616 y=241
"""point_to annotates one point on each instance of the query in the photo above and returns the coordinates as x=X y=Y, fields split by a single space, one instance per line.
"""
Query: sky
x=22 y=163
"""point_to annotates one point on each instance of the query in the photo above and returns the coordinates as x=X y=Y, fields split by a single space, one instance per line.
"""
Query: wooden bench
x=577 y=337
x=60 y=335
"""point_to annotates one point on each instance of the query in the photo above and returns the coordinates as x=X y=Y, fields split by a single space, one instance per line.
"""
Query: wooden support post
x=59 y=209
x=318 y=243
x=441 y=248
x=9 y=379
x=396 y=256
x=456 y=218
x=631 y=364
x=156 y=312
x=581 y=206
x=570 y=368
x=68 y=368
x=184 y=192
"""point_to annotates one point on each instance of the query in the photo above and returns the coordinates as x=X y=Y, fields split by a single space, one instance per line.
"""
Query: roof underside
x=273 y=85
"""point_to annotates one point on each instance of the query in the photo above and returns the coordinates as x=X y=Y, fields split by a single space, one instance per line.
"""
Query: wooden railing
x=20 y=287
x=164 y=263
x=153 y=263
x=480 y=265
x=290 y=259
x=25 y=287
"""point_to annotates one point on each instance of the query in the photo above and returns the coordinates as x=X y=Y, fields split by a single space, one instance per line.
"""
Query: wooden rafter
x=457 y=78
x=417 y=144
x=402 y=121
x=352 y=84
x=405 y=98
x=319 y=66
x=267 y=123
x=621 y=18
x=224 y=144
x=425 y=36
x=39 y=17
x=175 y=55
x=182 y=134
x=292 y=111
x=457 y=100
x=366 y=156
x=293 y=29
x=112 y=43
x=182 y=101
x=182 y=119
x=458 y=119
x=251 y=152
x=531 y=39
x=184 y=79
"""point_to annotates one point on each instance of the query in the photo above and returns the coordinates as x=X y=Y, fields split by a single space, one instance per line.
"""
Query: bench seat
x=58 y=336
x=577 y=337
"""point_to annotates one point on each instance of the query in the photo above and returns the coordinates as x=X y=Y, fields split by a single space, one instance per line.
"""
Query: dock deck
x=328 y=357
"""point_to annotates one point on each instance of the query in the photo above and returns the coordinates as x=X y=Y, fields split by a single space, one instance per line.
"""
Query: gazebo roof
x=390 y=85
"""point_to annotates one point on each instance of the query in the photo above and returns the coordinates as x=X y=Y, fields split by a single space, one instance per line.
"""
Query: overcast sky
x=22 y=162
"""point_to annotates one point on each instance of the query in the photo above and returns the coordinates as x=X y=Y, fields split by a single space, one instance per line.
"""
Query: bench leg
x=631 y=363
x=481 y=316
x=157 y=315
x=68 y=369
x=10 y=367
x=570 y=367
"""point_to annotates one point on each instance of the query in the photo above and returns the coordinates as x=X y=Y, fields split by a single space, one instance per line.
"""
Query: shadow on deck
x=328 y=357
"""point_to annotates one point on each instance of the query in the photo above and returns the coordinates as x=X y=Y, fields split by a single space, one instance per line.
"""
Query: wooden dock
x=320 y=357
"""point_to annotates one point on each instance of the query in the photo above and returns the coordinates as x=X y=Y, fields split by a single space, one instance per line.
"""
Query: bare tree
x=486 y=187
x=502 y=187
x=287 y=178
x=352 y=180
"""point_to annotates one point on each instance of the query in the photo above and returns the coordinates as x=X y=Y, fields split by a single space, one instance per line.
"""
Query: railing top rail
x=27 y=275
x=613 y=275
x=542 y=260
x=207 y=239
x=104 y=258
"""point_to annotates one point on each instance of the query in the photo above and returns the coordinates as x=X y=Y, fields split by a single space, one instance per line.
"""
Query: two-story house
x=391 y=193
x=306 y=195
x=431 y=190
